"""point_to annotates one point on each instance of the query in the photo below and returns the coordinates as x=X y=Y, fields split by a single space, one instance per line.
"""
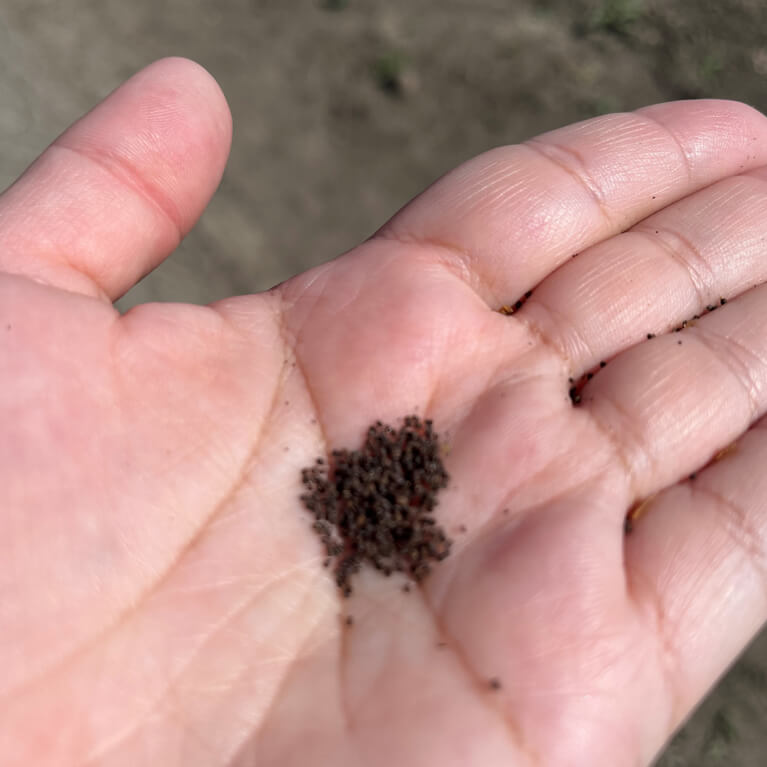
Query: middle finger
x=674 y=265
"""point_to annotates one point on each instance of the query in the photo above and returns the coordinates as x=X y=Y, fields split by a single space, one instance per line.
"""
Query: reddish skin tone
x=163 y=595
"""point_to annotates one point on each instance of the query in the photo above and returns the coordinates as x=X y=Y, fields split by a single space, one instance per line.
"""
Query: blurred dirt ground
x=345 y=109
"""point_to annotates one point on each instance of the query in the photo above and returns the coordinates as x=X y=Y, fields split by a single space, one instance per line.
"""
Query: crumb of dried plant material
x=725 y=451
x=635 y=512
x=495 y=683
x=375 y=506
x=508 y=309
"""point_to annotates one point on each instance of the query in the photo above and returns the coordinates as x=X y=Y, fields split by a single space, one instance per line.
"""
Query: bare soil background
x=345 y=109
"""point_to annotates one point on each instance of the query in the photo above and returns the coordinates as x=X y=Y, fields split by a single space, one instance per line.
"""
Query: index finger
x=512 y=215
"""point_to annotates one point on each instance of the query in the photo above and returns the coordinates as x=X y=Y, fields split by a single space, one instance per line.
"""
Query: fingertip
x=728 y=110
x=169 y=124
x=197 y=88
x=720 y=136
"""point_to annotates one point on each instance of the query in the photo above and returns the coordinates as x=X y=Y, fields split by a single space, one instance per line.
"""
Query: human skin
x=162 y=595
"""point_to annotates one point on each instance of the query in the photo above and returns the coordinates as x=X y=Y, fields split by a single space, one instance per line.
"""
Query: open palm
x=163 y=595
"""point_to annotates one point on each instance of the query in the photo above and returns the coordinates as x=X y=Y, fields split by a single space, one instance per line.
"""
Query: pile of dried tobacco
x=376 y=504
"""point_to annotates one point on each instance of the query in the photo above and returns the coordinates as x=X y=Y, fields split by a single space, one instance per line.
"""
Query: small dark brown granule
x=602 y=364
x=375 y=505
x=495 y=683
x=589 y=376
x=508 y=309
x=710 y=308
x=678 y=343
x=574 y=395
x=406 y=588
x=349 y=620
x=650 y=335
x=722 y=301
x=693 y=475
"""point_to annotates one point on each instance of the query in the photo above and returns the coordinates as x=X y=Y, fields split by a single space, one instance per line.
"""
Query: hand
x=163 y=595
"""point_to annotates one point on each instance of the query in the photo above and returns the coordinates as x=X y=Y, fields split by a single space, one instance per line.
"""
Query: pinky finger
x=696 y=565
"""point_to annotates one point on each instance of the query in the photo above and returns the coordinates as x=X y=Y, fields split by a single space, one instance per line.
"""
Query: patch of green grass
x=335 y=5
x=605 y=105
x=387 y=72
x=617 y=16
x=712 y=65
x=722 y=727
x=721 y=735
